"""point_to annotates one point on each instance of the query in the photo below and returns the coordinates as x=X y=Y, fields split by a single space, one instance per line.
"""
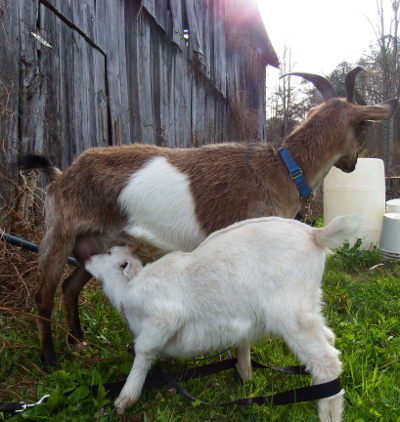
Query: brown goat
x=171 y=199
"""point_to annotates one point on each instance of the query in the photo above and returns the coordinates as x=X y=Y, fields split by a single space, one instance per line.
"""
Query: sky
x=321 y=33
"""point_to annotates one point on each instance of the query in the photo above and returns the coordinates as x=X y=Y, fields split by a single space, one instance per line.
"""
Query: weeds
x=354 y=259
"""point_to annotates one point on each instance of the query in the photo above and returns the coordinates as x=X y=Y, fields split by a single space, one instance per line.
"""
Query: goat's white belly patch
x=160 y=207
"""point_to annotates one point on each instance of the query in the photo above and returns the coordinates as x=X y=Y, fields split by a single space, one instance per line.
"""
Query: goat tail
x=40 y=162
x=338 y=230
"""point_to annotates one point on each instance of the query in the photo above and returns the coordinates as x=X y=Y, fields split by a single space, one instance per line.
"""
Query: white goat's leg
x=331 y=408
x=244 y=363
x=311 y=345
x=148 y=343
x=132 y=389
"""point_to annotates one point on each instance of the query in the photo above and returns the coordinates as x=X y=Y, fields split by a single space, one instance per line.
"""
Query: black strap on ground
x=11 y=407
x=160 y=378
x=314 y=392
x=20 y=406
x=156 y=382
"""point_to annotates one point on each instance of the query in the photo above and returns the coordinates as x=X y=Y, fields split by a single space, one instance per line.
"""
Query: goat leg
x=44 y=302
x=309 y=342
x=52 y=261
x=132 y=389
x=151 y=339
x=71 y=287
x=244 y=361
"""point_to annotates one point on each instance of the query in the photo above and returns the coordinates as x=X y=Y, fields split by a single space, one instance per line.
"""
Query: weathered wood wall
x=176 y=73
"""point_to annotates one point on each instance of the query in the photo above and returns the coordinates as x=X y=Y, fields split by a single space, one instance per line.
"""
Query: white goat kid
x=255 y=277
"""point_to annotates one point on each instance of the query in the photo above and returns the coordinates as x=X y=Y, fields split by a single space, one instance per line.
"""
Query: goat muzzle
x=347 y=167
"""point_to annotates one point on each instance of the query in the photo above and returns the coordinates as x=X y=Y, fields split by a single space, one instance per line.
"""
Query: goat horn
x=351 y=82
x=322 y=84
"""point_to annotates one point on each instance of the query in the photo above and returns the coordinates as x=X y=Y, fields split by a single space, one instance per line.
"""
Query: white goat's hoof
x=120 y=410
x=121 y=404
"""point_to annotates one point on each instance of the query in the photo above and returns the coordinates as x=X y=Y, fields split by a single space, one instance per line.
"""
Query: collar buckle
x=296 y=174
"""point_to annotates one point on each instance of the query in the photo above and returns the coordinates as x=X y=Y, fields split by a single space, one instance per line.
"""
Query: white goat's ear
x=125 y=266
x=132 y=267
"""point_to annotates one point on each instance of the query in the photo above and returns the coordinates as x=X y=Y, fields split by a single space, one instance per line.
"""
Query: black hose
x=16 y=241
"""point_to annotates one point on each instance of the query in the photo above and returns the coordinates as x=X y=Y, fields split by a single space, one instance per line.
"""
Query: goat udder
x=87 y=245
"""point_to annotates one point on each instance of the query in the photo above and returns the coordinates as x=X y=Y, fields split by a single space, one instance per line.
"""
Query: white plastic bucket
x=393 y=206
x=362 y=191
x=390 y=237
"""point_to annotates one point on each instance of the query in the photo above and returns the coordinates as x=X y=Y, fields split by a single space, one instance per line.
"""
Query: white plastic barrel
x=393 y=206
x=390 y=237
x=362 y=191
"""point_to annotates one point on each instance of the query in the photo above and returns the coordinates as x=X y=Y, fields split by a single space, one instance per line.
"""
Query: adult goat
x=171 y=199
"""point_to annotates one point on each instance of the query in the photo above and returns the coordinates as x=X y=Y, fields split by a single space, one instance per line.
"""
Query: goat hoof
x=50 y=360
x=119 y=407
x=120 y=410
x=79 y=346
x=121 y=404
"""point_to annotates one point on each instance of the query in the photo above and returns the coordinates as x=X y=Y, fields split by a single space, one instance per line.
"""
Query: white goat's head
x=119 y=260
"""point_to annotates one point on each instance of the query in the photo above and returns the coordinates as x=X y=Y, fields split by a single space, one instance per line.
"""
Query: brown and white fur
x=251 y=279
x=171 y=199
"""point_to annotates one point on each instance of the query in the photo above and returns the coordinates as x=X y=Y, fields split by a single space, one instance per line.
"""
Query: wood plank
x=218 y=59
x=114 y=17
x=145 y=103
x=158 y=11
x=181 y=100
x=195 y=14
x=177 y=23
x=32 y=82
x=11 y=31
x=131 y=28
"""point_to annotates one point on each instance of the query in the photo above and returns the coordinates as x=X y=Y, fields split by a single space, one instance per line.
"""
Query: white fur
x=255 y=277
x=153 y=208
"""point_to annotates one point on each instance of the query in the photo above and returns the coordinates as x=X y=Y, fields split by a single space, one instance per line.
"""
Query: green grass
x=361 y=306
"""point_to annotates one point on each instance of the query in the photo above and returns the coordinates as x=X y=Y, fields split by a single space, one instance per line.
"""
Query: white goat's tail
x=338 y=230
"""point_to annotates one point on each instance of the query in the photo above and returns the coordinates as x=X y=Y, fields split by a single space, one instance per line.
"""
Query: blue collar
x=296 y=174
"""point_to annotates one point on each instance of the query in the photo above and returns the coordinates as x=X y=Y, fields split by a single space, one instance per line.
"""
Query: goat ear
x=133 y=249
x=382 y=111
x=131 y=267
x=124 y=265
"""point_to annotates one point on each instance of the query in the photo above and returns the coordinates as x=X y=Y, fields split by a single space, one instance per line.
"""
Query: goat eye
x=360 y=128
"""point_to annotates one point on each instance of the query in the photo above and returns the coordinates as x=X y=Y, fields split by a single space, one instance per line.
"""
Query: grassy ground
x=362 y=307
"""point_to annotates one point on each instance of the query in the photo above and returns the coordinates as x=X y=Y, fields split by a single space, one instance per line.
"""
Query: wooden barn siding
x=120 y=72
